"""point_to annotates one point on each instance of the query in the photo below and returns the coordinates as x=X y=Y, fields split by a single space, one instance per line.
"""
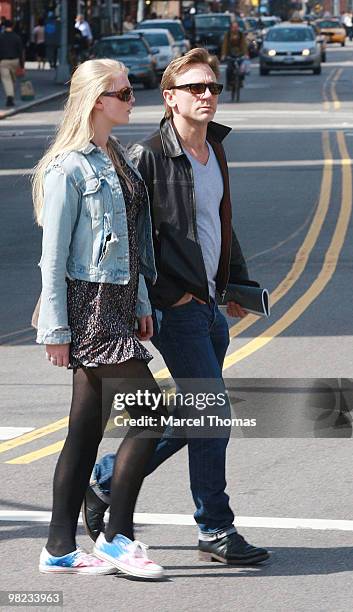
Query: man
x=82 y=26
x=234 y=45
x=185 y=170
x=128 y=24
x=11 y=58
x=52 y=30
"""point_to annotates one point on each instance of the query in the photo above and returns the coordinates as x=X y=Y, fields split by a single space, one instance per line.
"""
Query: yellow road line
x=38 y=454
x=34 y=435
x=336 y=102
x=325 y=275
x=50 y=449
x=15 y=333
x=331 y=80
x=303 y=254
x=17 y=341
x=326 y=102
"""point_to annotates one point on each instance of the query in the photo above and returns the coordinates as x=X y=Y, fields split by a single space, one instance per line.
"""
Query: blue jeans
x=193 y=340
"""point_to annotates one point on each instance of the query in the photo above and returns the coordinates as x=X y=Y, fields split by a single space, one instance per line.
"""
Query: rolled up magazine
x=249 y=295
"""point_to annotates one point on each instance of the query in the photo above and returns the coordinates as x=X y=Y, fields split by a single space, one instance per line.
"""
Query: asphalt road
x=291 y=177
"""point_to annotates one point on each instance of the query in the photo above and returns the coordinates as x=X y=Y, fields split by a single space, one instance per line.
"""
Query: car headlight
x=306 y=52
x=271 y=52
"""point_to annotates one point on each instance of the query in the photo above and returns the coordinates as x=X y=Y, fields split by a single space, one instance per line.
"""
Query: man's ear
x=169 y=98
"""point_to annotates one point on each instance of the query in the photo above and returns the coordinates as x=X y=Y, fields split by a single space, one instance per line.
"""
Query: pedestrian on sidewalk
x=86 y=37
x=39 y=39
x=52 y=30
x=97 y=245
x=11 y=60
x=197 y=253
x=128 y=24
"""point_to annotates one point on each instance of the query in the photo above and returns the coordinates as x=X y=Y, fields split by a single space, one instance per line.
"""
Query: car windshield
x=242 y=24
x=268 y=23
x=156 y=40
x=210 y=22
x=290 y=35
x=173 y=27
x=120 y=48
x=328 y=24
x=252 y=22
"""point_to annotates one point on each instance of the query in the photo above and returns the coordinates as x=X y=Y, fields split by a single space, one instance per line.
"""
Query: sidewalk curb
x=23 y=107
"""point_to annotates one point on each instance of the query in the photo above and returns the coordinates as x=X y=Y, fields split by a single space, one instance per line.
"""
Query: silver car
x=290 y=46
x=174 y=26
x=162 y=45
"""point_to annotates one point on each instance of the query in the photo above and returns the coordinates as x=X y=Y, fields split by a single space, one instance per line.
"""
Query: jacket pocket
x=93 y=199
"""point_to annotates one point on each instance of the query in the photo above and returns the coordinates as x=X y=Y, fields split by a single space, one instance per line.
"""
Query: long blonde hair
x=88 y=82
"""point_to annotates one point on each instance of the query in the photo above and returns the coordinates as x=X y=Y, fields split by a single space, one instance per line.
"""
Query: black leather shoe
x=10 y=102
x=232 y=549
x=93 y=510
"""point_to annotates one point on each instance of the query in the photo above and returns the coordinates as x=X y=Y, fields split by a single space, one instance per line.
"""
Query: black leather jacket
x=168 y=175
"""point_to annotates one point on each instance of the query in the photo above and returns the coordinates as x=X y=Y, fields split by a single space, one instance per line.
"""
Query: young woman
x=97 y=248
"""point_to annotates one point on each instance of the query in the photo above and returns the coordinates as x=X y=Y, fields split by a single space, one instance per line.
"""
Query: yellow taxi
x=332 y=29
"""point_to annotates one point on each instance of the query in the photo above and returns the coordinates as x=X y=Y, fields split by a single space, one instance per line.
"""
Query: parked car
x=134 y=52
x=290 y=47
x=332 y=29
x=163 y=46
x=210 y=29
x=174 y=26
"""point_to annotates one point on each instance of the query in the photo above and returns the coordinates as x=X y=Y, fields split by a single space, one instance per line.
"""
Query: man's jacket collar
x=171 y=145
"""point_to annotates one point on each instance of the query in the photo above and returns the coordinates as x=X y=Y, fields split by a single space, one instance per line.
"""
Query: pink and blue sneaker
x=76 y=562
x=130 y=557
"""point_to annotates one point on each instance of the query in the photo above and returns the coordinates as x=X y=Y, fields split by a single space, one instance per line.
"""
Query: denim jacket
x=85 y=235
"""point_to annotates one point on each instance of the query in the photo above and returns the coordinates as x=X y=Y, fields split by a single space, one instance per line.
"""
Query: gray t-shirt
x=208 y=185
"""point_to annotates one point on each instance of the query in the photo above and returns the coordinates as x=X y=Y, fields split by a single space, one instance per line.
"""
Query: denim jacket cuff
x=54 y=336
x=143 y=308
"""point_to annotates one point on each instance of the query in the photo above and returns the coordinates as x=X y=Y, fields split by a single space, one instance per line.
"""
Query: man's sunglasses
x=200 y=88
x=124 y=95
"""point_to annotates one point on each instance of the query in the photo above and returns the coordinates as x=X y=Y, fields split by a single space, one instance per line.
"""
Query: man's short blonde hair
x=183 y=63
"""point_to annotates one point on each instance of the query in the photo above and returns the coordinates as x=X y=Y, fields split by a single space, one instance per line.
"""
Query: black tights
x=88 y=416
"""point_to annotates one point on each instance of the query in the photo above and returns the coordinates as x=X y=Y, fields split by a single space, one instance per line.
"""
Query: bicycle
x=234 y=77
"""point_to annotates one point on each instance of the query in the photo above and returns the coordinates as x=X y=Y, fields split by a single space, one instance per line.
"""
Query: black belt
x=9 y=58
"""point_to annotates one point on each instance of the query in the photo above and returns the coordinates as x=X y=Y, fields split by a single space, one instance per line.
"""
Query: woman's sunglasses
x=124 y=95
x=200 y=88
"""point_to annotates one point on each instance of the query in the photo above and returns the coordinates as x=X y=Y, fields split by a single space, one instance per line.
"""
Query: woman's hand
x=145 y=328
x=58 y=354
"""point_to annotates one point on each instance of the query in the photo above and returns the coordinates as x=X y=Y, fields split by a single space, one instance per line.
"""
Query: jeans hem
x=209 y=536
x=98 y=491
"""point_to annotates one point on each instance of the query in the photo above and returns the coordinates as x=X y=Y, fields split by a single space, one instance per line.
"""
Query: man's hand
x=187 y=297
x=235 y=310
x=145 y=328
x=58 y=354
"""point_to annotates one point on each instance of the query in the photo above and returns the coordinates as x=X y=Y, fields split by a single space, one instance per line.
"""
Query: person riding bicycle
x=234 y=46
